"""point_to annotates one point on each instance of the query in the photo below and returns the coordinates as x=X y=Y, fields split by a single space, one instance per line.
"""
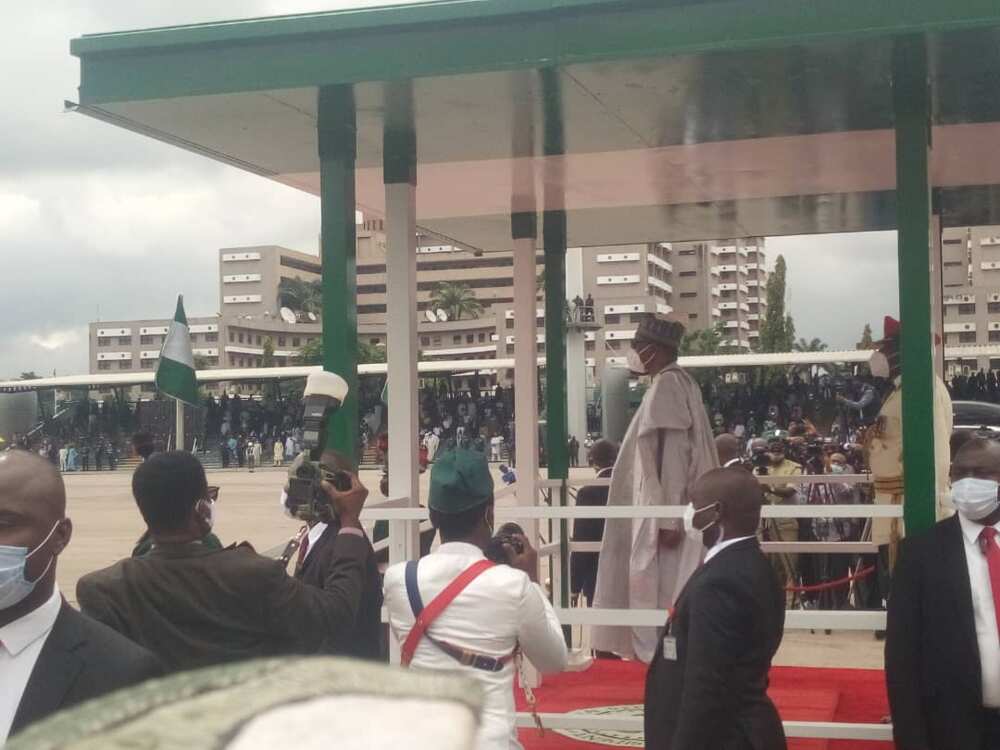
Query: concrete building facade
x=971 y=298
x=711 y=283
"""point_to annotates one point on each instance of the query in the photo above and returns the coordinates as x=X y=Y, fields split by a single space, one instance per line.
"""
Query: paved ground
x=106 y=525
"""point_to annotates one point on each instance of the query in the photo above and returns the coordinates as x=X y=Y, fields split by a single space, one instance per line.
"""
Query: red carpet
x=801 y=694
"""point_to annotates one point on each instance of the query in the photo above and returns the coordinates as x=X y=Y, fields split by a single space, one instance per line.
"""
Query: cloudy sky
x=99 y=223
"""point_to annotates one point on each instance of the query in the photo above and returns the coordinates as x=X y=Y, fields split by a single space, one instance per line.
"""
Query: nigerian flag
x=175 y=369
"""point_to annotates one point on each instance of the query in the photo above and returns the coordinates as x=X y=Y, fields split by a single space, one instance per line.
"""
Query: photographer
x=782 y=529
x=194 y=606
x=478 y=615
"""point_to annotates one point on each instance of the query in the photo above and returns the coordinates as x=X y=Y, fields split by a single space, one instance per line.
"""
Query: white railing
x=396 y=510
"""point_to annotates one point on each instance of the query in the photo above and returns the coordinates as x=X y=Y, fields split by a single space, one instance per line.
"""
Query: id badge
x=669 y=648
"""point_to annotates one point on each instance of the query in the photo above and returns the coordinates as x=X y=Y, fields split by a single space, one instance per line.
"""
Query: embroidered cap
x=658 y=329
x=460 y=480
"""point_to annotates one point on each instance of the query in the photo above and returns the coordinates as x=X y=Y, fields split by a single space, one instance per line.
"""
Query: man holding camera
x=782 y=529
x=194 y=606
x=457 y=611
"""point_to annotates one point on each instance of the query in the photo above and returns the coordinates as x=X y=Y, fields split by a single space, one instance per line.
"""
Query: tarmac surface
x=107 y=524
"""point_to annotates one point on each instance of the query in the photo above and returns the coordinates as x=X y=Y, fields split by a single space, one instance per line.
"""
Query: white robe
x=631 y=550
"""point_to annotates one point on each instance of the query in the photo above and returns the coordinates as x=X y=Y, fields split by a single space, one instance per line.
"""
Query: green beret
x=460 y=480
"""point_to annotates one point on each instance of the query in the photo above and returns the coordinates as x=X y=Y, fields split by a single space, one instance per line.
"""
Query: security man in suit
x=706 y=688
x=583 y=565
x=51 y=656
x=194 y=606
x=942 y=649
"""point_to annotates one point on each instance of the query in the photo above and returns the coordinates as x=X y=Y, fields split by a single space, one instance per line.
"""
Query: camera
x=323 y=395
x=760 y=460
x=506 y=534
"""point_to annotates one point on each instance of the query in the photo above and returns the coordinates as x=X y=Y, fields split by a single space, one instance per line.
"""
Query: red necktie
x=304 y=547
x=988 y=544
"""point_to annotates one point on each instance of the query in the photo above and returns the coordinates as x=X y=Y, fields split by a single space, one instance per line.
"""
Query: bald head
x=739 y=496
x=33 y=517
x=728 y=447
x=30 y=483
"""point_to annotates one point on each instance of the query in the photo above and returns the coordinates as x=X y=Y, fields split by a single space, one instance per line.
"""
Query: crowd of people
x=475 y=605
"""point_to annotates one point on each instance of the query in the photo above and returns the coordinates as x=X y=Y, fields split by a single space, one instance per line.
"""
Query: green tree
x=311 y=353
x=457 y=300
x=200 y=362
x=268 y=358
x=866 y=338
x=30 y=375
x=777 y=331
x=301 y=295
x=702 y=342
x=816 y=345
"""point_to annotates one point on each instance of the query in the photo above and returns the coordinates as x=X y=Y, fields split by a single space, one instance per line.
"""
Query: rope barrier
x=863 y=573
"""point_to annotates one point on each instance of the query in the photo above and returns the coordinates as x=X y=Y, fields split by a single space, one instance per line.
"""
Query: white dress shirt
x=22 y=641
x=719 y=546
x=497 y=611
x=983 y=610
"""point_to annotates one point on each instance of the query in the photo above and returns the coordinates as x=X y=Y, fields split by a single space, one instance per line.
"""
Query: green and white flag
x=175 y=369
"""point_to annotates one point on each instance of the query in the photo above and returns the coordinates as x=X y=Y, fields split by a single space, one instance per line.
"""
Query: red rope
x=864 y=573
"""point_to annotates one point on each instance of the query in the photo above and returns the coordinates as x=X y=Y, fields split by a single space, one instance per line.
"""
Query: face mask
x=692 y=531
x=634 y=359
x=975 y=498
x=14 y=587
x=837 y=468
x=879 y=365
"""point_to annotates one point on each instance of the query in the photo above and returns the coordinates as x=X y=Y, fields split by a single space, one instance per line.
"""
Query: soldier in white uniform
x=500 y=611
x=645 y=563
x=884 y=447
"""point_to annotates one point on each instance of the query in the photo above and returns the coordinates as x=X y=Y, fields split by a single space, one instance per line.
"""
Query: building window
x=425 y=340
x=967 y=337
x=125 y=340
x=994 y=338
x=258 y=339
x=967 y=309
x=689 y=295
x=144 y=340
x=588 y=346
x=692 y=316
x=456 y=339
x=636 y=317
x=211 y=337
x=993 y=307
x=540 y=348
x=240 y=337
x=686 y=252
x=103 y=365
x=687 y=274
x=125 y=364
x=612 y=319
x=295 y=341
x=510 y=324
x=437 y=341
x=281 y=340
x=470 y=338
x=482 y=338
x=953 y=263
x=103 y=342
x=232 y=337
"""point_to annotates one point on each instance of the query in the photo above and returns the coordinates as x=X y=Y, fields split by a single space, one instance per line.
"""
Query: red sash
x=438 y=605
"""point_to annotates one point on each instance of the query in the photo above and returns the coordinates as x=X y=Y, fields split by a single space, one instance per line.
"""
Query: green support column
x=337 y=151
x=557 y=425
x=911 y=106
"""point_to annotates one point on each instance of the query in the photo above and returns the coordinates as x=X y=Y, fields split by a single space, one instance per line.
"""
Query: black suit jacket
x=583 y=565
x=728 y=623
x=81 y=659
x=364 y=639
x=194 y=606
x=932 y=664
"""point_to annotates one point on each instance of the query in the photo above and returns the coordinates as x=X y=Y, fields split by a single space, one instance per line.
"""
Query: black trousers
x=991 y=733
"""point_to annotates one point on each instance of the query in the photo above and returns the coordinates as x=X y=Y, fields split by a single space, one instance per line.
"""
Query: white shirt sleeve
x=539 y=631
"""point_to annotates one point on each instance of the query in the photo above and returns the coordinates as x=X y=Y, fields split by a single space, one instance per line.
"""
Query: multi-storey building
x=722 y=282
x=624 y=283
x=970 y=278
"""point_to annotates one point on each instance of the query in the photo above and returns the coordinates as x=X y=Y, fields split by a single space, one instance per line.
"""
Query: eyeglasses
x=212 y=494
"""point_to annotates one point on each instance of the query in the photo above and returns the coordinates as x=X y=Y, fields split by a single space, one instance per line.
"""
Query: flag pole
x=179 y=441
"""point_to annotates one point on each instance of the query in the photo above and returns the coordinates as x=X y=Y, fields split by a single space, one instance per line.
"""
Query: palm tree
x=816 y=345
x=456 y=299
x=301 y=295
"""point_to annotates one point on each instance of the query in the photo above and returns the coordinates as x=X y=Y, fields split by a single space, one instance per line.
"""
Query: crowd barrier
x=403 y=517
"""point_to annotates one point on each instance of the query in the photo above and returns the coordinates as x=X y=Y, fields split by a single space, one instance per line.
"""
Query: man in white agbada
x=667 y=446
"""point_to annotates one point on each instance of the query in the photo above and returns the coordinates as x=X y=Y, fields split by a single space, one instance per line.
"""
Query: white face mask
x=634 y=359
x=879 y=365
x=838 y=469
x=975 y=498
x=14 y=587
x=692 y=531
